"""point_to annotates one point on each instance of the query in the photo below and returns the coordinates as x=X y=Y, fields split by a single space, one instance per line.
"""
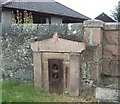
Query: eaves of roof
x=45 y=7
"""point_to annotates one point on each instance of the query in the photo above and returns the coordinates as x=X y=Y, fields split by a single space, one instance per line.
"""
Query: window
x=40 y=18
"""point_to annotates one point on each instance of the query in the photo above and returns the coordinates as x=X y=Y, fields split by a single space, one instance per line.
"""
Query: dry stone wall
x=17 y=59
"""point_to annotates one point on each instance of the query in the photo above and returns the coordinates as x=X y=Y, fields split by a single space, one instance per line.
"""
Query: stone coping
x=44 y=31
x=93 y=23
x=100 y=24
x=112 y=26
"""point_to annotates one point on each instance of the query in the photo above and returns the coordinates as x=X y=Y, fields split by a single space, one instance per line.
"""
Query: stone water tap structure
x=59 y=61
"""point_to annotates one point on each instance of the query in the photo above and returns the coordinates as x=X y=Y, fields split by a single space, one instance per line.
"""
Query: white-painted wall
x=56 y=20
x=6 y=17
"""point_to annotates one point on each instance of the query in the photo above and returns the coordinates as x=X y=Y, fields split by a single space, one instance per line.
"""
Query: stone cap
x=112 y=26
x=94 y=23
x=100 y=24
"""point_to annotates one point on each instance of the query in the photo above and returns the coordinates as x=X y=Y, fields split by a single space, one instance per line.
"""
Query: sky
x=91 y=8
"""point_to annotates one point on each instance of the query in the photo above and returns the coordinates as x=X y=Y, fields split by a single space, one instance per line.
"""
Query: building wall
x=56 y=20
x=6 y=17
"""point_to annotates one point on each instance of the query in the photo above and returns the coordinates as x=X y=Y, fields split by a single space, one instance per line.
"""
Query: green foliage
x=19 y=17
x=0 y=90
x=116 y=12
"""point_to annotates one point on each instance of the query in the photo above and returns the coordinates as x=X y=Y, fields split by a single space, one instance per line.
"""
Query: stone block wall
x=111 y=56
x=111 y=52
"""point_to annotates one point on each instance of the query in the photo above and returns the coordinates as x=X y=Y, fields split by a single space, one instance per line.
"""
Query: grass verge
x=13 y=91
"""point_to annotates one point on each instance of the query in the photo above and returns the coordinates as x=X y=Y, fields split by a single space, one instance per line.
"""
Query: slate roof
x=44 y=6
x=105 y=18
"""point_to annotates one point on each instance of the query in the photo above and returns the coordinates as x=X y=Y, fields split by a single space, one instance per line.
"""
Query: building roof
x=105 y=18
x=43 y=6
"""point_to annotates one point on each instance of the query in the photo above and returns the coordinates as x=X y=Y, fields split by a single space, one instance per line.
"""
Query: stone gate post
x=93 y=36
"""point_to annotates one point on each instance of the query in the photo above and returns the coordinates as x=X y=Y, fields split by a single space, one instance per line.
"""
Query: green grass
x=0 y=90
x=13 y=91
